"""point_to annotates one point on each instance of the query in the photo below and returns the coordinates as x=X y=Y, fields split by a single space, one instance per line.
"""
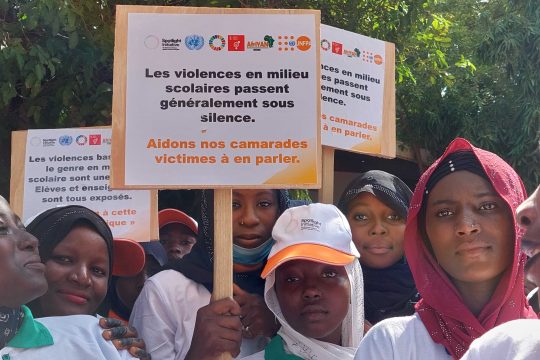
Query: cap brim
x=128 y=257
x=173 y=216
x=312 y=252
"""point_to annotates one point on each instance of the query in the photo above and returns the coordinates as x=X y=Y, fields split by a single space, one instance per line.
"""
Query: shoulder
x=514 y=339
x=173 y=285
x=396 y=326
x=75 y=336
x=257 y=356
x=69 y=324
x=403 y=337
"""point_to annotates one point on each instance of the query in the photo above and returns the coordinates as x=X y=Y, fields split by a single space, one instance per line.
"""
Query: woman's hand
x=256 y=318
x=217 y=330
x=124 y=337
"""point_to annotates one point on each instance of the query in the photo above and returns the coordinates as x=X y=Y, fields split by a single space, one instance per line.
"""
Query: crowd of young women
x=431 y=271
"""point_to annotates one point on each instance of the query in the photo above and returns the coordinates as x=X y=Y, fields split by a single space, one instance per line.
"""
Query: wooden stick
x=326 y=193
x=223 y=257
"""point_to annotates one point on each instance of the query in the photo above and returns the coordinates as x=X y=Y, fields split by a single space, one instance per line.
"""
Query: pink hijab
x=447 y=319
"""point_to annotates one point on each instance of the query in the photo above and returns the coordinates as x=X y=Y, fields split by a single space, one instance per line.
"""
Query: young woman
x=173 y=313
x=376 y=204
x=76 y=246
x=462 y=244
x=22 y=280
x=313 y=286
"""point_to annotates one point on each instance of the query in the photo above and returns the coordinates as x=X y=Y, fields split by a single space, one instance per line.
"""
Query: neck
x=240 y=268
x=476 y=295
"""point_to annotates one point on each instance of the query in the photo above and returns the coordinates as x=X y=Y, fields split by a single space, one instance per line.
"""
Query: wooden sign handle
x=223 y=245
x=326 y=194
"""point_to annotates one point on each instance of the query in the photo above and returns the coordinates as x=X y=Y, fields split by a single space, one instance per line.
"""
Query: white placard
x=71 y=166
x=352 y=90
x=221 y=100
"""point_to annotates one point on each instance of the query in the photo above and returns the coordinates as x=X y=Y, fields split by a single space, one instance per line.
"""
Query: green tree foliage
x=458 y=72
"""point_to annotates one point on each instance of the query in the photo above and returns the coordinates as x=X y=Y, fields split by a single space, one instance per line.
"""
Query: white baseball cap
x=315 y=232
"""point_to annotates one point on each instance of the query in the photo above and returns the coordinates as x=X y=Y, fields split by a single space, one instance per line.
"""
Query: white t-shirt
x=75 y=337
x=165 y=313
x=403 y=337
x=514 y=340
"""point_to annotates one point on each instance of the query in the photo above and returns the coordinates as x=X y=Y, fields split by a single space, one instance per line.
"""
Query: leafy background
x=465 y=68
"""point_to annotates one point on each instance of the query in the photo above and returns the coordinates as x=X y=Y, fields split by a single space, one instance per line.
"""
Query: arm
x=153 y=317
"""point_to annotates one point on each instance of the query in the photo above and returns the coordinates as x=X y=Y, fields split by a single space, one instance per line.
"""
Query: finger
x=124 y=344
x=238 y=291
x=108 y=323
x=225 y=306
x=229 y=322
x=120 y=332
x=139 y=353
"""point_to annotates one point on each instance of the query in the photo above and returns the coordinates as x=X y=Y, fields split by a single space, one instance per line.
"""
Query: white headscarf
x=352 y=328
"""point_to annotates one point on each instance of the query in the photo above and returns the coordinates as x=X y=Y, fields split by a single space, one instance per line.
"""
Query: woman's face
x=377 y=231
x=314 y=298
x=254 y=214
x=470 y=228
x=77 y=273
x=21 y=270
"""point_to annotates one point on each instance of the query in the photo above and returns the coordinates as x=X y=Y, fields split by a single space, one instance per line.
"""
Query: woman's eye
x=291 y=279
x=395 y=217
x=329 y=274
x=99 y=271
x=444 y=212
x=265 y=204
x=62 y=259
x=4 y=230
x=235 y=205
x=360 y=217
x=488 y=206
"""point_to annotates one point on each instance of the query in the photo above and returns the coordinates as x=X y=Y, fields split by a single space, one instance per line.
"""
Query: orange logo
x=378 y=59
x=303 y=43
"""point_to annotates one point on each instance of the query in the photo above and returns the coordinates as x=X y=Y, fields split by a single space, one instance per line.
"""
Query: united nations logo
x=65 y=140
x=194 y=42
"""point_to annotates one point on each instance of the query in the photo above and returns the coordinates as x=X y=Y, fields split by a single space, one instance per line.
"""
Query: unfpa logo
x=303 y=43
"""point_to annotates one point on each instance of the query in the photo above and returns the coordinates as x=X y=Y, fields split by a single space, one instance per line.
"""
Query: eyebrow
x=476 y=196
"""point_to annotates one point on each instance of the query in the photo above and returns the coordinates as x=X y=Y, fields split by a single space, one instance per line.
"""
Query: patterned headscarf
x=198 y=265
x=447 y=319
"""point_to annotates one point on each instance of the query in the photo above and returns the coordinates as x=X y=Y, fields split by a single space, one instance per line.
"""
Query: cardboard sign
x=357 y=93
x=210 y=98
x=72 y=166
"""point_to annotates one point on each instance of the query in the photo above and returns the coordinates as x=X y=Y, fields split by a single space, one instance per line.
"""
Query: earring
x=242 y=222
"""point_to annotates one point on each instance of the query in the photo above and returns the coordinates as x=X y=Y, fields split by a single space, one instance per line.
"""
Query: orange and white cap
x=315 y=232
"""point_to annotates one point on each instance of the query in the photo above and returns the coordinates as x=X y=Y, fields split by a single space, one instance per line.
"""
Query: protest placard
x=209 y=98
x=357 y=99
x=357 y=93
x=56 y=167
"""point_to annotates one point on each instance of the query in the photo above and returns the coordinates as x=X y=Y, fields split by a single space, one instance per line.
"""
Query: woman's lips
x=313 y=313
x=73 y=298
x=377 y=250
x=35 y=265
x=473 y=250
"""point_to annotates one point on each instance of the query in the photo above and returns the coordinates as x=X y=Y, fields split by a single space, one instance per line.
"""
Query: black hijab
x=199 y=263
x=391 y=291
x=52 y=226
